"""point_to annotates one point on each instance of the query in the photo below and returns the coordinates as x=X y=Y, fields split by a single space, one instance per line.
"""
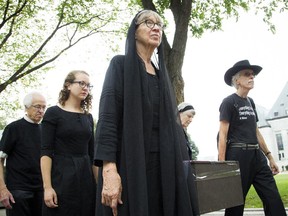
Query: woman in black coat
x=140 y=145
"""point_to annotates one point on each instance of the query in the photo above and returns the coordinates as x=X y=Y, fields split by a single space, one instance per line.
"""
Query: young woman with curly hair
x=68 y=149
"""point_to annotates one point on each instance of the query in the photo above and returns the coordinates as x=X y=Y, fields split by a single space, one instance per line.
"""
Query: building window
x=279 y=142
x=275 y=114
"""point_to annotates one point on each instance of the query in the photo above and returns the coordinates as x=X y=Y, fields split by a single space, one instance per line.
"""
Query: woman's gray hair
x=28 y=99
x=144 y=14
x=183 y=105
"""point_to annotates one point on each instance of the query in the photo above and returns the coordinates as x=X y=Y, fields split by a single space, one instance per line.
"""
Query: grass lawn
x=253 y=201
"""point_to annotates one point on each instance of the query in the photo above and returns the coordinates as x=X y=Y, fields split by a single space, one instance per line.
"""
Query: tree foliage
x=34 y=33
x=3 y=123
x=30 y=29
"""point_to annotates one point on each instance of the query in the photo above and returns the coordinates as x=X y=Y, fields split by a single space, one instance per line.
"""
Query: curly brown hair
x=64 y=94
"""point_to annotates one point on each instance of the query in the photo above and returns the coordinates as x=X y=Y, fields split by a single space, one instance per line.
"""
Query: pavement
x=2 y=212
x=247 y=212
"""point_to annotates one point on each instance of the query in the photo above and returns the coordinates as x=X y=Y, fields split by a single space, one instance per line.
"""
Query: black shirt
x=242 y=118
x=21 y=141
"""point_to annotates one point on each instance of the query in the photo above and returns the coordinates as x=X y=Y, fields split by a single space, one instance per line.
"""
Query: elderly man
x=22 y=194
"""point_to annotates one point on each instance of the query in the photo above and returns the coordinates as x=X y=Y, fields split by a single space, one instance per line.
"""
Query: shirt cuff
x=3 y=154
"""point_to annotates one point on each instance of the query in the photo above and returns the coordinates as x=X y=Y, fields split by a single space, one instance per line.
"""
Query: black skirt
x=74 y=183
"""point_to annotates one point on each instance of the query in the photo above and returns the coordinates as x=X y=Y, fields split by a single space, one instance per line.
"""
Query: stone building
x=273 y=125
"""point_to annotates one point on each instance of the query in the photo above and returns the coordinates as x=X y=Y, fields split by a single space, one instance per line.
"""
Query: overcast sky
x=206 y=61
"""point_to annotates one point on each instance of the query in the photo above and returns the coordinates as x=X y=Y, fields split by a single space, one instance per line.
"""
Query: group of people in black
x=133 y=163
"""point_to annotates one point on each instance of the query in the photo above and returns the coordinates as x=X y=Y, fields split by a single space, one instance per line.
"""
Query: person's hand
x=50 y=198
x=273 y=166
x=6 y=198
x=112 y=190
x=221 y=157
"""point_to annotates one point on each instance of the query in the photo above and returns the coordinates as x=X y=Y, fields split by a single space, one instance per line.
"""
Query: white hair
x=28 y=99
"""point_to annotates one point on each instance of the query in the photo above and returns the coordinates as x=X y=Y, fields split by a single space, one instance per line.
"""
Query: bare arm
x=50 y=196
x=2 y=182
x=264 y=148
x=5 y=196
x=223 y=132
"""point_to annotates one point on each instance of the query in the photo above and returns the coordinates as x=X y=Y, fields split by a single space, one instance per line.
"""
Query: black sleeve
x=109 y=125
x=226 y=109
x=8 y=139
x=49 y=125
x=91 y=141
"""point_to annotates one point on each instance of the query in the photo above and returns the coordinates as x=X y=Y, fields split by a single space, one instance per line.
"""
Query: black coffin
x=218 y=184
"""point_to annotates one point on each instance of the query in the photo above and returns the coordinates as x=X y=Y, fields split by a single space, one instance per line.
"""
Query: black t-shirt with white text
x=242 y=117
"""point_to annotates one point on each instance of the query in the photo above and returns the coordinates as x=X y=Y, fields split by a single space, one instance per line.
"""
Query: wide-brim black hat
x=241 y=65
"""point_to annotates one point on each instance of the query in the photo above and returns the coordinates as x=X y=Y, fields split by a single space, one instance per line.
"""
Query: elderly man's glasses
x=83 y=84
x=39 y=107
x=150 y=24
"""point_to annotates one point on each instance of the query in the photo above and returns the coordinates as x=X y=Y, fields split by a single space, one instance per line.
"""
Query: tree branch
x=15 y=14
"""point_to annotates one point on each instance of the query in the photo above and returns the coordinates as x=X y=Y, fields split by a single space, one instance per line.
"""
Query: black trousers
x=27 y=203
x=255 y=171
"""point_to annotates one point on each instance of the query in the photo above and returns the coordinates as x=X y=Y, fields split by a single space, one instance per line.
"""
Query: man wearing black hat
x=240 y=140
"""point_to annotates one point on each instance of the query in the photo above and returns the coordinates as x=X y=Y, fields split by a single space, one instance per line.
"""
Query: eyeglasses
x=83 y=84
x=150 y=24
x=39 y=107
x=248 y=73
